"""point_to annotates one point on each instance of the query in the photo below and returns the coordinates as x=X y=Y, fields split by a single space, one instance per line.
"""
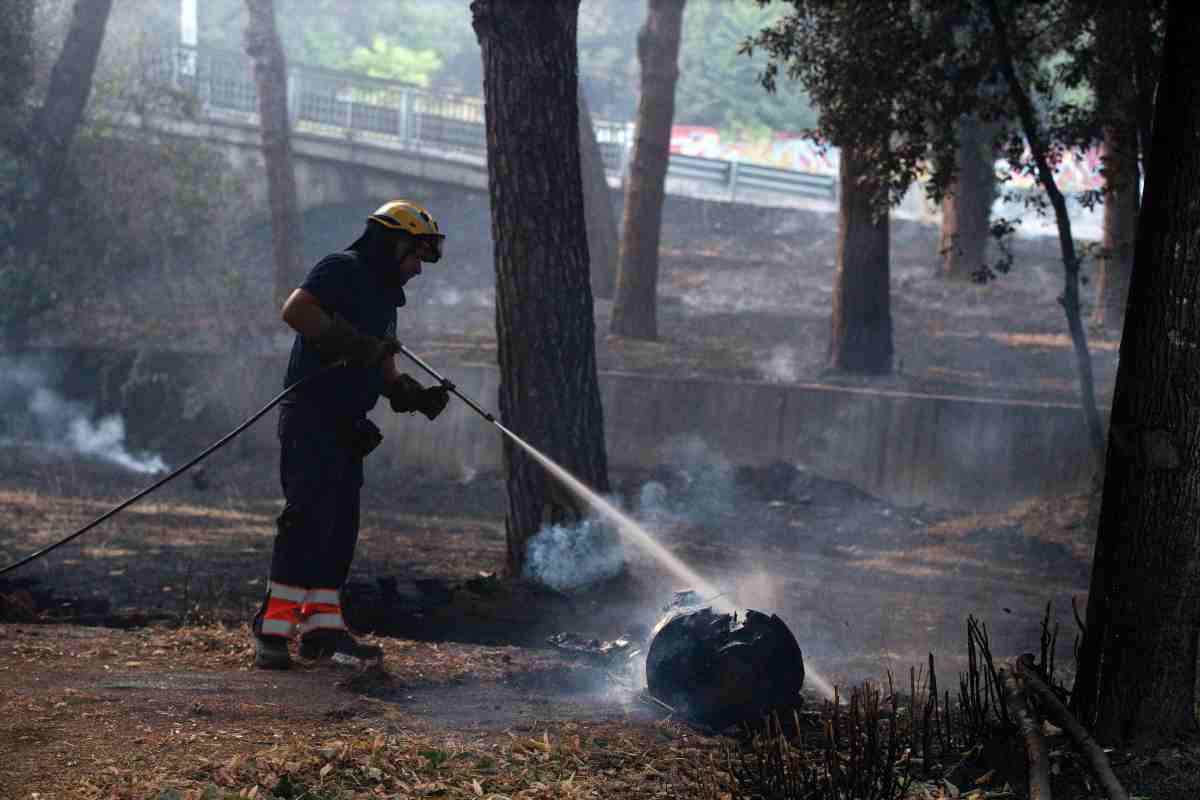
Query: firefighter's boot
x=271 y=652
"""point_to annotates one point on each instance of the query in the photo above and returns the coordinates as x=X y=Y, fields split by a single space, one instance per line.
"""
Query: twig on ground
x=1036 y=751
x=650 y=699
x=1064 y=719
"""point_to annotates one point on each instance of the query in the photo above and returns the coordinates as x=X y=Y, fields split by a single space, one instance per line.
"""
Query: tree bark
x=56 y=121
x=861 y=330
x=597 y=207
x=1116 y=97
x=967 y=206
x=42 y=152
x=16 y=64
x=635 y=309
x=549 y=393
x=1066 y=242
x=1137 y=675
x=270 y=76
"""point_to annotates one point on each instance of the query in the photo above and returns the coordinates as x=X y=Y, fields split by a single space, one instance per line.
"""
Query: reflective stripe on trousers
x=322 y=610
x=291 y=610
x=283 y=610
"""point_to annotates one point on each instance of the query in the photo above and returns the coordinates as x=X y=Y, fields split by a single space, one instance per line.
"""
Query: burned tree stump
x=719 y=670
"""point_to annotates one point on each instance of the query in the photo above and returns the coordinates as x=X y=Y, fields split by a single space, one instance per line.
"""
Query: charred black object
x=609 y=654
x=719 y=670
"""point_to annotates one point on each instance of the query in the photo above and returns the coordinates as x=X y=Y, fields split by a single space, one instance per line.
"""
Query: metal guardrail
x=411 y=117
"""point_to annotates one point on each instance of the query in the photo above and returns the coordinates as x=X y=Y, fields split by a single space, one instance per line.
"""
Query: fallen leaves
x=591 y=760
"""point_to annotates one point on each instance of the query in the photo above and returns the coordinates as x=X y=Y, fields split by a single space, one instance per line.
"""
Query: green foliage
x=890 y=76
x=396 y=39
x=886 y=76
x=386 y=59
x=717 y=84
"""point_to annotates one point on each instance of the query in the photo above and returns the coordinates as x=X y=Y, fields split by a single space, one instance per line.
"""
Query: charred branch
x=1037 y=753
x=1028 y=673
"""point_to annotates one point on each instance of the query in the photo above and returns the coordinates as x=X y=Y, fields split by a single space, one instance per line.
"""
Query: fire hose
x=225 y=440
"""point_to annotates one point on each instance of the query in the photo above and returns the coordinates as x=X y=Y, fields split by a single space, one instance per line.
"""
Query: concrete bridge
x=357 y=139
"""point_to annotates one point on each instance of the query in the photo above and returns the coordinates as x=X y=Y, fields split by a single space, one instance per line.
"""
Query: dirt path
x=89 y=711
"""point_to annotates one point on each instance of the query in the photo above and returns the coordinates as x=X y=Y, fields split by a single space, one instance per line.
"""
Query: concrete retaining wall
x=911 y=449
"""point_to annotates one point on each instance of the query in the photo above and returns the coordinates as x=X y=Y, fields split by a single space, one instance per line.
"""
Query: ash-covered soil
x=865 y=585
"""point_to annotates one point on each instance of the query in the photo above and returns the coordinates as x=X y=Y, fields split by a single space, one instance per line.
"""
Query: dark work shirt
x=343 y=284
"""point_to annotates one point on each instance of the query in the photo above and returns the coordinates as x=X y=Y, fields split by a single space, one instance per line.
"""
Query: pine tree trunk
x=56 y=121
x=549 y=394
x=635 y=309
x=16 y=65
x=43 y=150
x=598 y=207
x=270 y=76
x=1137 y=674
x=1116 y=97
x=967 y=206
x=861 y=330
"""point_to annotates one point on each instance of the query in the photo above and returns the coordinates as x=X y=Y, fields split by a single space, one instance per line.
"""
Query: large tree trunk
x=1116 y=96
x=967 y=206
x=635 y=310
x=549 y=394
x=16 y=65
x=1137 y=673
x=56 y=121
x=270 y=76
x=597 y=207
x=43 y=152
x=861 y=330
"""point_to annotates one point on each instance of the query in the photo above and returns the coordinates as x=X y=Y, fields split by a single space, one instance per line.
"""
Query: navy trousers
x=322 y=476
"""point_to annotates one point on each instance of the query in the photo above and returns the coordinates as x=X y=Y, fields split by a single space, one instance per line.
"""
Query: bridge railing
x=408 y=116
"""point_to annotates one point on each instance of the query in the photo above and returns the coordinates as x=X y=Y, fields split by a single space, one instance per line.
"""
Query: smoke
x=55 y=424
x=572 y=557
x=781 y=367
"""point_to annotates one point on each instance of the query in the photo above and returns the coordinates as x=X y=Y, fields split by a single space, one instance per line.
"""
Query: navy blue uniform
x=346 y=285
x=320 y=467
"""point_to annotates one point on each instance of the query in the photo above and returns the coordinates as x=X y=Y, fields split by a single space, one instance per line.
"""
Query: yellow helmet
x=410 y=218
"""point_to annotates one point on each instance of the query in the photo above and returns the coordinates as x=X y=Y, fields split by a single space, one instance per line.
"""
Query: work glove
x=406 y=394
x=342 y=340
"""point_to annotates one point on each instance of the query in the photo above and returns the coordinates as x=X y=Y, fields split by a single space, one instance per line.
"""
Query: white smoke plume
x=781 y=366
x=56 y=424
x=572 y=557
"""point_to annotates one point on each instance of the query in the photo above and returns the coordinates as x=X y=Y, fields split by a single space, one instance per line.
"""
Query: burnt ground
x=155 y=686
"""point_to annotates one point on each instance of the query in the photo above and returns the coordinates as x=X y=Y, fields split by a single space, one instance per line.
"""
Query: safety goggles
x=429 y=247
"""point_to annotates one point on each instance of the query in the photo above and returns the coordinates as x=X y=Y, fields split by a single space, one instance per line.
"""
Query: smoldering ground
x=38 y=418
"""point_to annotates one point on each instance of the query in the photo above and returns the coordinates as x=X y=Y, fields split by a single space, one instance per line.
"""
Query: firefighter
x=345 y=310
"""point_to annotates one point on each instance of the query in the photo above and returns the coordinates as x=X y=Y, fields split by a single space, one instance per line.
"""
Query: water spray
x=626 y=526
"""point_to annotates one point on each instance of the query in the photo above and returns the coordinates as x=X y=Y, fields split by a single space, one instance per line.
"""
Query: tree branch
x=1063 y=718
x=1038 y=754
x=1070 y=298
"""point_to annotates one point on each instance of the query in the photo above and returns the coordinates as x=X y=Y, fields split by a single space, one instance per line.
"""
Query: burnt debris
x=725 y=669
